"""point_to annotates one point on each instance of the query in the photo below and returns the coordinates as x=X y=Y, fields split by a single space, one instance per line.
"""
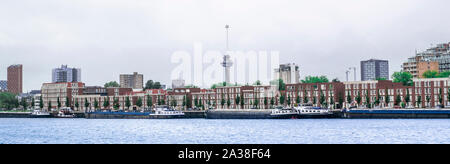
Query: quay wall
x=238 y=114
x=194 y=114
x=398 y=114
x=15 y=115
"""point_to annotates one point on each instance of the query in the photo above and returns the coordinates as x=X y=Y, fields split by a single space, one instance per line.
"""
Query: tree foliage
x=315 y=79
x=403 y=77
x=112 y=84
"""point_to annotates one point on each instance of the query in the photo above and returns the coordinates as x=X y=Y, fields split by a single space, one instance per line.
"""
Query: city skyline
x=82 y=37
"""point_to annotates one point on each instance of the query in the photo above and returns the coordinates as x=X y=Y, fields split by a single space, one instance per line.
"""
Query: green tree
x=86 y=103
x=33 y=102
x=266 y=102
x=49 y=105
x=77 y=105
x=282 y=99
x=67 y=102
x=228 y=101
x=149 y=101
x=106 y=103
x=315 y=79
x=257 y=83
x=127 y=102
x=398 y=100
x=331 y=100
x=305 y=97
x=58 y=102
x=223 y=101
x=419 y=101
x=444 y=74
x=341 y=101
x=149 y=84
x=358 y=98
x=289 y=100
x=381 y=79
x=24 y=103
x=368 y=99
x=184 y=101
x=387 y=97
x=403 y=77
x=196 y=102
x=116 y=103
x=279 y=83
x=41 y=103
x=377 y=100
x=441 y=100
x=428 y=99
x=242 y=101
x=272 y=102
x=407 y=98
x=430 y=74
x=96 y=105
x=349 y=98
x=256 y=104
x=237 y=100
x=139 y=102
x=322 y=99
x=112 y=84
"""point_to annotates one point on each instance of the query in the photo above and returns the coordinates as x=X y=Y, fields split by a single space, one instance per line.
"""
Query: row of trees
x=9 y=101
x=435 y=74
x=150 y=84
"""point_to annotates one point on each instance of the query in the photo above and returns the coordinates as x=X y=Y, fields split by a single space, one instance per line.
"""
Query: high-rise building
x=428 y=59
x=289 y=73
x=66 y=74
x=135 y=81
x=15 y=79
x=3 y=85
x=373 y=69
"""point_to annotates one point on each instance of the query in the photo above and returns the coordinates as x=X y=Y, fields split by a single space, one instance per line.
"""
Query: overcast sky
x=108 y=37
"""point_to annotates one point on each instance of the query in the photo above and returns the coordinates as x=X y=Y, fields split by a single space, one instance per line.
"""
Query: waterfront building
x=317 y=94
x=15 y=76
x=135 y=81
x=51 y=92
x=439 y=53
x=66 y=74
x=424 y=93
x=176 y=96
x=3 y=85
x=373 y=69
x=289 y=73
x=205 y=99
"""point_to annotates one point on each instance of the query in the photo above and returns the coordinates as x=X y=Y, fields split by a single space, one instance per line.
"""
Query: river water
x=203 y=131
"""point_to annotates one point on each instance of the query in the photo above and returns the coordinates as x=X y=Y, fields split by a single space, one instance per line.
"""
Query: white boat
x=166 y=112
x=40 y=114
x=307 y=110
x=62 y=114
x=283 y=113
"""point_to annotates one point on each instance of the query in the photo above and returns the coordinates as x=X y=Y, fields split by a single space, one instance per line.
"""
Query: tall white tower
x=227 y=63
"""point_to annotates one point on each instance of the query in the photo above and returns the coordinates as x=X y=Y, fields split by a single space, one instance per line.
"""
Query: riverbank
x=255 y=114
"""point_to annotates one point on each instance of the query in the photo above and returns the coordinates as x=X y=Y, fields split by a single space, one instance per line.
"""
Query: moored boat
x=165 y=112
x=40 y=114
x=309 y=111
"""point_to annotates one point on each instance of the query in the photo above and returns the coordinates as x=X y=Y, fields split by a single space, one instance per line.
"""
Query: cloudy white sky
x=108 y=37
